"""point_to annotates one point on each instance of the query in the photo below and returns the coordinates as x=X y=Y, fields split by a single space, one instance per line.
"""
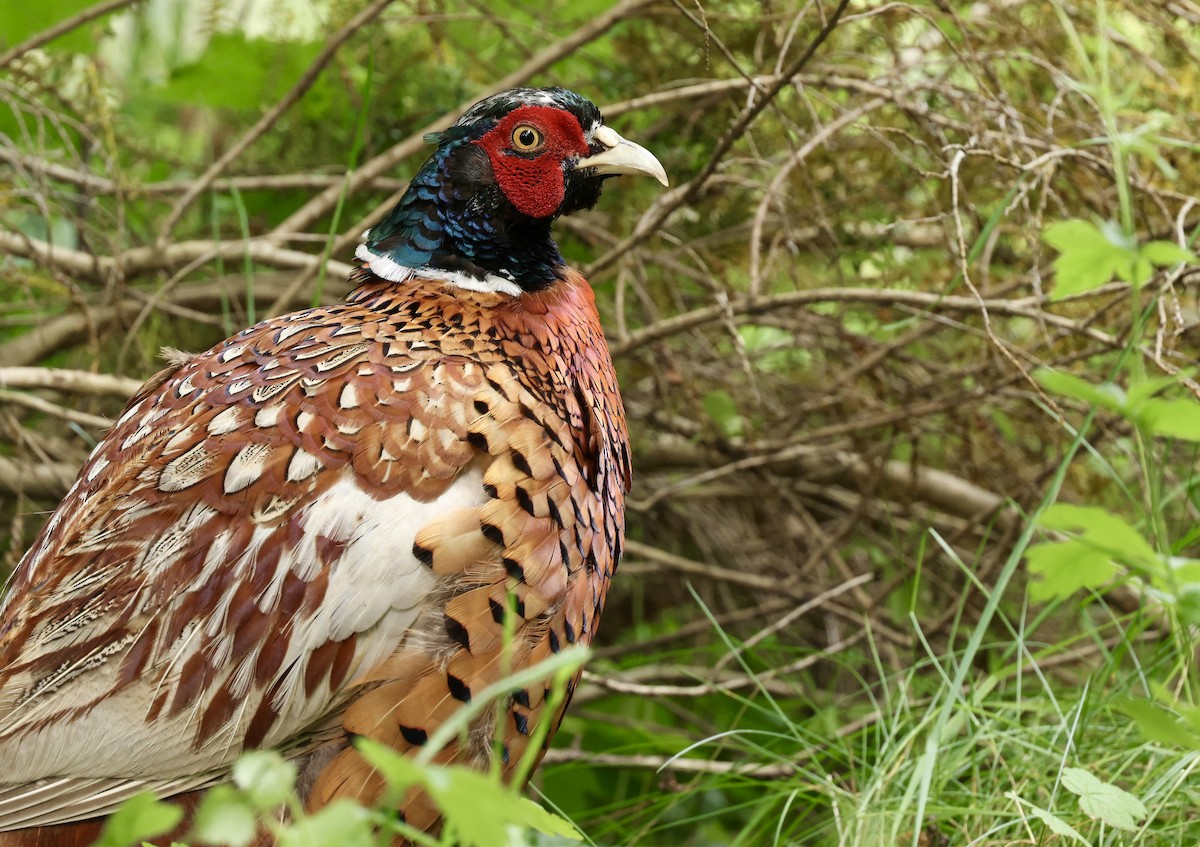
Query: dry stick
x=66 y=26
x=657 y=215
x=136 y=260
x=676 y=765
x=52 y=335
x=36 y=479
x=37 y=404
x=262 y=182
x=725 y=682
x=714 y=572
x=1026 y=307
x=718 y=766
x=268 y=120
x=63 y=379
x=786 y=621
x=327 y=199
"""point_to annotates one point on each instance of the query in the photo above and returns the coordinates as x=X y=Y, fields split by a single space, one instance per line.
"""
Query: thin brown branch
x=139 y=260
x=36 y=479
x=1025 y=307
x=62 y=331
x=63 y=379
x=97 y=184
x=37 y=404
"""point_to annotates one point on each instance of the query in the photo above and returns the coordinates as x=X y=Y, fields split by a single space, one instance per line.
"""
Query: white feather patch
x=246 y=467
x=392 y=271
x=226 y=421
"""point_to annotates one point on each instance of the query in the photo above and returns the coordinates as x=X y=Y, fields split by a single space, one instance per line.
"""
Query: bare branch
x=62 y=379
x=139 y=260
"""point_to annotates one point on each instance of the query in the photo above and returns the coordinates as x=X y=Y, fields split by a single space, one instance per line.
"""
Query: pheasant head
x=478 y=213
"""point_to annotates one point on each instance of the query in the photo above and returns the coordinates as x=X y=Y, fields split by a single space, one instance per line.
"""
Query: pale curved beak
x=622 y=157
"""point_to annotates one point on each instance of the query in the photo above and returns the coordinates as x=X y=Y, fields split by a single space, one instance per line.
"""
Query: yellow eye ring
x=526 y=138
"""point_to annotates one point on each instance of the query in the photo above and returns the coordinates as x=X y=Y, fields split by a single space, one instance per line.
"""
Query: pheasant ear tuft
x=433 y=137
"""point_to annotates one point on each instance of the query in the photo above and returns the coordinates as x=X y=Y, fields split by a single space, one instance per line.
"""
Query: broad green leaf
x=1057 y=825
x=1191 y=716
x=723 y=411
x=1052 y=821
x=1087 y=259
x=485 y=813
x=139 y=818
x=398 y=770
x=1106 y=396
x=266 y=777
x=544 y=821
x=1115 y=806
x=1172 y=418
x=1146 y=388
x=18 y=21
x=1061 y=568
x=343 y=823
x=1166 y=253
x=1157 y=724
x=1185 y=570
x=239 y=73
x=1187 y=604
x=224 y=817
x=478 y=807
x=1101 y=529
x=1136 y=270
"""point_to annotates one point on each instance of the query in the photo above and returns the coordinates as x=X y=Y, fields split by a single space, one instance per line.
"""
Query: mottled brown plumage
x=312 y=532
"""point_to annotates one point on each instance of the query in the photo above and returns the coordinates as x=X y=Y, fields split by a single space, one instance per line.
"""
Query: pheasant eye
x=526 y=138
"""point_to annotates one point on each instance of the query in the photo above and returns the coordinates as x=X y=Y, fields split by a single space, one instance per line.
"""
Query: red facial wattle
x=534 y=183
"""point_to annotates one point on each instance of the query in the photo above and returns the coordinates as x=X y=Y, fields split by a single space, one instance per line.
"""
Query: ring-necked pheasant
x=313 y=530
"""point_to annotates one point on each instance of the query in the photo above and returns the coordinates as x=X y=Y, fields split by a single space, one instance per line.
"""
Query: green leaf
x=1052 y=821
x=1191 y=716
x=21 y=20
x=266 y=778
x=1087 y=257
x=343 y=823
x=1144 y=389
x=1157 y=724
x=1187 y=604
x=1106 y=396
x=1172 y=418
x=1061 y=568
x=1166 y=253
x=239 y=73
x=224 y=817
x=544 y=821
x=398 y=770
x=723 y=411
x=1115 y=806
x=485 y=813
x=1103 y=530
x=139 y=818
